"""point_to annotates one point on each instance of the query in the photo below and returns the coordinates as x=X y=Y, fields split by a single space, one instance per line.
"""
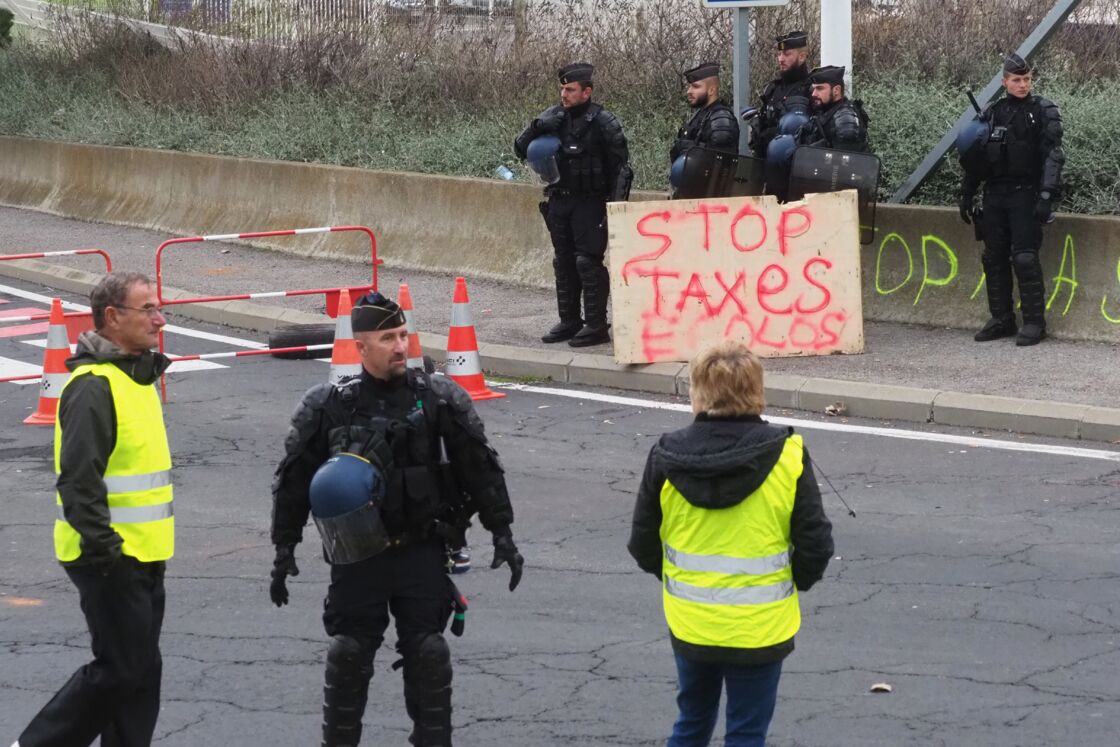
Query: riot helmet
x=346 y=495
x=972 y=146
x=795 y=115
x=781 y=149
x=541 y=157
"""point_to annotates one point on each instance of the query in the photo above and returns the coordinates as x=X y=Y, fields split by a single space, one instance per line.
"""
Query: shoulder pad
x=1049 y=108
x=768 y=90
x=550 y=110
x=608 y=121
x=315 y=397
x=450 y=391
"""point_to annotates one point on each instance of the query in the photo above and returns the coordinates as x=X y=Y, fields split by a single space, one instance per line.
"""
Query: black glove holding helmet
x=506 y=552
x=1044 y=208
x=283 y=566
x=550 y=120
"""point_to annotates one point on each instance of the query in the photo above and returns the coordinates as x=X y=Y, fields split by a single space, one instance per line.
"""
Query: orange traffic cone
x=345 y=361
x=415 y=352
x=55 y=373
x=463 y=364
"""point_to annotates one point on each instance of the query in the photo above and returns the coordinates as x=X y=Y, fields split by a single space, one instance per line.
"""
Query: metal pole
x=836 y=38
x=741 y=67
x=1041 y=34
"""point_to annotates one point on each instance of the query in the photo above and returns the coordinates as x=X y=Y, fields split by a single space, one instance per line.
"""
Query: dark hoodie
x=89 y=433
x=718 y=463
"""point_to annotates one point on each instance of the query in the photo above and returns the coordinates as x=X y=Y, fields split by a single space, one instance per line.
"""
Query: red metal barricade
x=70 y=252
x=330 y=294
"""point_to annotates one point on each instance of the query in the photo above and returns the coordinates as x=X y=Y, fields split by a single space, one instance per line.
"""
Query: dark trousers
x=752 y=693
x=411 y=584
x=1012 y=237
x=578 y=227
x=116 y=695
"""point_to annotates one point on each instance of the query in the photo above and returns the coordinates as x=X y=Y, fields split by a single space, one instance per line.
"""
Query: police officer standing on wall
x=712 y=123
x=391 y=465
x=792 y=82
x=1022 y=175
x=838 y=122
x=593 y=168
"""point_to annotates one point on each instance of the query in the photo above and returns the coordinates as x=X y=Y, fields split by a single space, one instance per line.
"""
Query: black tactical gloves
x=1044 y=208
x=283 y=566
x=550 y=120
x=506 y=552
x=965 y=206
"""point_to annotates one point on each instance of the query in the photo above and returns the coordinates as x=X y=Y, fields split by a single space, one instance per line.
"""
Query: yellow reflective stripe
x=135 y=514
x=727 y=564
x=743 y=595
x=136 y=483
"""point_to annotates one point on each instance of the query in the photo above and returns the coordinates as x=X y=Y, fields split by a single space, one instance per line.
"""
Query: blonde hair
x=726 y=380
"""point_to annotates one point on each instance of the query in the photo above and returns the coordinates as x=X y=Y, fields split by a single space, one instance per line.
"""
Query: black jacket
x=1030 y=151
x=325 y=411
x=89 y=434
x=713 y=126
x=842 y=126
x=718 y=463
x=764 y=127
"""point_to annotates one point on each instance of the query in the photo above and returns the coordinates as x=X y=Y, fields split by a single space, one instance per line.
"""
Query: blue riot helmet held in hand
x=346 y=494
x=797 y=114
x=541 y=157
x=972 y=147
x=780 y=150
x=676 y=171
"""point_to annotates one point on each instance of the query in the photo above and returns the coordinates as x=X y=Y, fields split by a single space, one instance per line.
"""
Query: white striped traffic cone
x=463 y=363
x=415 y=352
x=346 y=364
x=55 y=373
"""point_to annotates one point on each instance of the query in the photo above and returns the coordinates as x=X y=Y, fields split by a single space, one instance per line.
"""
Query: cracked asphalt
x=983 y=585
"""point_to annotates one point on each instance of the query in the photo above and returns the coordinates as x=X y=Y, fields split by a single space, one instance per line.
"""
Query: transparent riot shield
x=706 y=173
x=817 y=170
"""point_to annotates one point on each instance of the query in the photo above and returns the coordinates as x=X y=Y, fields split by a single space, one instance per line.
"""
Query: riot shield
x=750 y=177
x=817 y=170
x=706 y=173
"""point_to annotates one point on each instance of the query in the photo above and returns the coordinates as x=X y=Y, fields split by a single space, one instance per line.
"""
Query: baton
x=975 y=103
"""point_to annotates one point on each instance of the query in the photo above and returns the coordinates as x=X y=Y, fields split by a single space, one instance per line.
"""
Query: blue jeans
x=751 y=696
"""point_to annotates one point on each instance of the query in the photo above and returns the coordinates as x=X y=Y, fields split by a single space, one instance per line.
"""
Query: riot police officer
x=792 y=82
x=427 y=467
x=712 y=123
x=1020 y=163
x=838 y=122
x=589 y=167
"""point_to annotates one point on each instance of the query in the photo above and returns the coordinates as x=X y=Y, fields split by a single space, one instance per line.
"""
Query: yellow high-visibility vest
x=137 y=477
x=727 y=579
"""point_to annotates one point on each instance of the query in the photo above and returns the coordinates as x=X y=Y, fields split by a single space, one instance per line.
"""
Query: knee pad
x=349 y=662
x=428 y=663
x=585 y=263
x=1026 y=264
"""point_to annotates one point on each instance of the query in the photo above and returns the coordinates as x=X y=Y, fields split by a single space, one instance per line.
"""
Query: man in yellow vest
x=115 y=525
x=730 y=519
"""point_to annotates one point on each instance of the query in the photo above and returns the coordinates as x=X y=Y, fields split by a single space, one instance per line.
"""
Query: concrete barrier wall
x=923 y=266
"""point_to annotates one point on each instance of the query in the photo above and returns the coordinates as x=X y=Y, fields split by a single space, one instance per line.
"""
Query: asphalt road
x=981 y=583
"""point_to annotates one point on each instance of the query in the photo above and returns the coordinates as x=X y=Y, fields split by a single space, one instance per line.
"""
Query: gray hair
x=112 y=290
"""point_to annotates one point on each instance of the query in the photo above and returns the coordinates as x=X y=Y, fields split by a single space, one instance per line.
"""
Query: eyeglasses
x=151 y=311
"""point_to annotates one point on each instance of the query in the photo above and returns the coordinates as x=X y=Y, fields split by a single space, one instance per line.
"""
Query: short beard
x=701 y=101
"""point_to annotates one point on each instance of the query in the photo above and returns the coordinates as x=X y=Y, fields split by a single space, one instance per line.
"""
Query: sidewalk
x=911 y=366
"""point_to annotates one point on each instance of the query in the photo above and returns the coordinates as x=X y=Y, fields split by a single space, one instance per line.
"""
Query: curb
x=859 y=399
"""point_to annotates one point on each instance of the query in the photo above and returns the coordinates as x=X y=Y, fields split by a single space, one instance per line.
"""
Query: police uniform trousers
x=116 y=695
x=578 y=226
x=410 y=583
x=1012 y=237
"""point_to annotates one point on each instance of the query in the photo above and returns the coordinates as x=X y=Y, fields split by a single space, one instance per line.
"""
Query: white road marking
x=946 y=438
x=198 y=334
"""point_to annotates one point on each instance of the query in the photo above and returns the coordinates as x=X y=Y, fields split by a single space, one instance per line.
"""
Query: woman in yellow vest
x=730 y=519
x=114 y=527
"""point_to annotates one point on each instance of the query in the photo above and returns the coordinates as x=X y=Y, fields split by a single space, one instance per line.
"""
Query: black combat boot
x=590 y=335
x=995 y=329
x=563 y=331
